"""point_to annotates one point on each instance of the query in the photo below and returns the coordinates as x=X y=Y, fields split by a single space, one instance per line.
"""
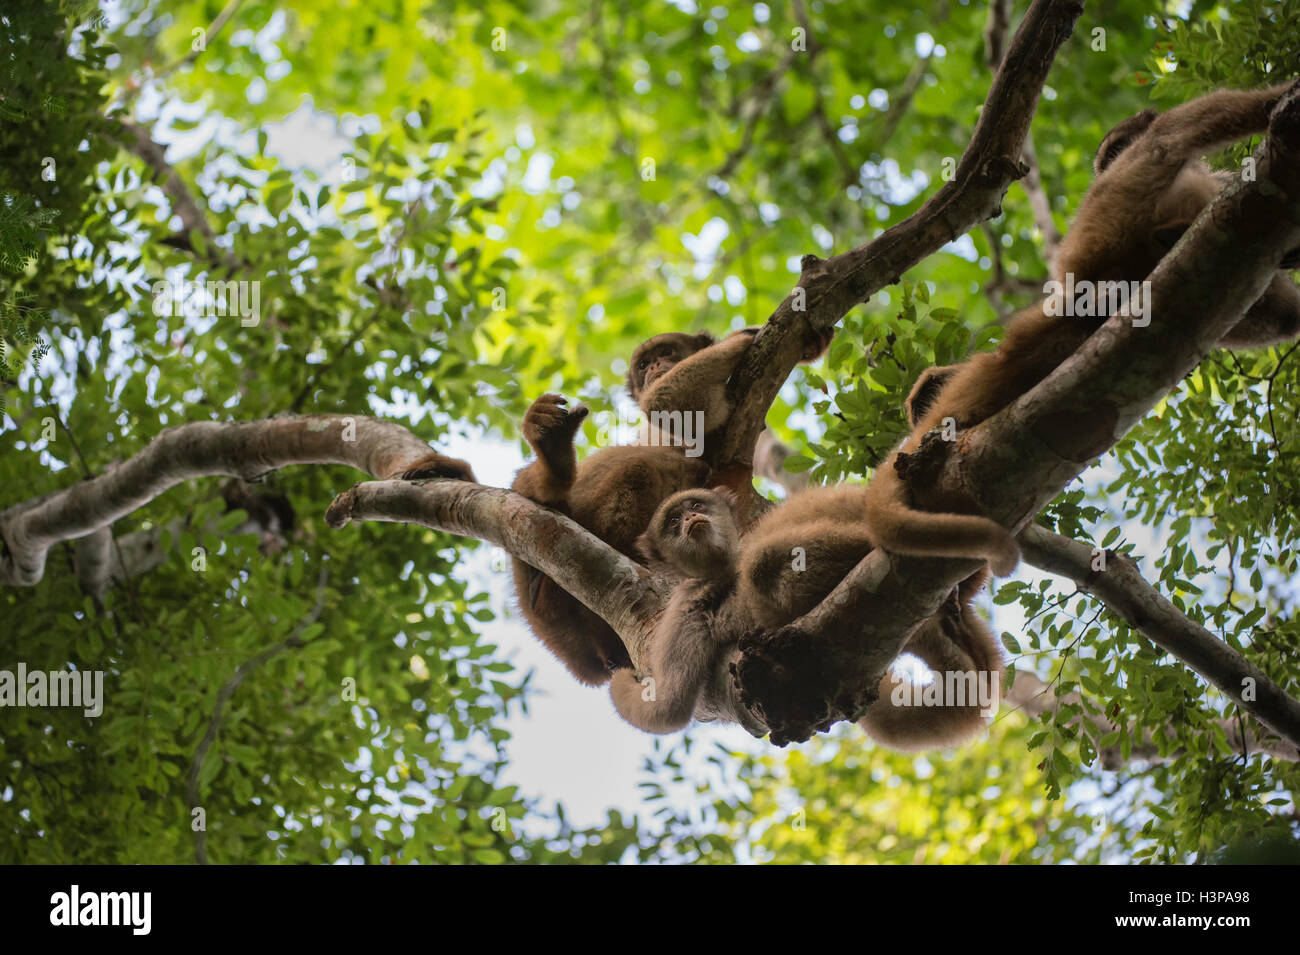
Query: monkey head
x=657 y=356
x=1119 y=138
x=693 y=534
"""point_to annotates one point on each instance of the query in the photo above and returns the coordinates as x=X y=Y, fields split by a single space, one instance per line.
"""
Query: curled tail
x=967 y=688
x=896 y=526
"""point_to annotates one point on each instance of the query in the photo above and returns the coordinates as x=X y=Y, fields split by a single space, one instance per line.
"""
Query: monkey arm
x=682 y=651
x=696 y=383
x=1205 y=126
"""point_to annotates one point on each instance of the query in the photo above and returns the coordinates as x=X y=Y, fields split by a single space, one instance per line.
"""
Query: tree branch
x=995 y=33
x=828 y=289
x=184 y=205
x=247 y=450
x=621 y=591
x=291 y=642
x=1032 y=697
x=1017 y=461
x=1121 y=587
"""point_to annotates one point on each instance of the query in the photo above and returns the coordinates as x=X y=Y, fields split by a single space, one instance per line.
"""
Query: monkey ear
x=728 y=496
x=703 y=340
x=1121 y=137
x=647 y=548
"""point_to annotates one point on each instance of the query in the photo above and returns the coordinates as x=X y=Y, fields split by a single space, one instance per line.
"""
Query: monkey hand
x=436 y=465
x=549 y=428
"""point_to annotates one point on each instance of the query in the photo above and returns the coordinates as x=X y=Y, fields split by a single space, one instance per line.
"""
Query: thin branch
x=1040 y=205
x=900 y=104
x=192 y=217
x=132 y=89
x=828 y=289
x=247 y=450
x=994 y=42
x=1123 y=590
x=1034 y=698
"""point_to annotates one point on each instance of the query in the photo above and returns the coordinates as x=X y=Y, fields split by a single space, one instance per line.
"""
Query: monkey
x=614 y=492
x=730 y=585
x=693 y=539
x=826 y=523
x=700 y=386
x=1150 y=186
x=662 y=382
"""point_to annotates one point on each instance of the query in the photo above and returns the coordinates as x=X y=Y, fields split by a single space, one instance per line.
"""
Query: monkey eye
x=644 y=364
x=673 y=522
x=697 y=505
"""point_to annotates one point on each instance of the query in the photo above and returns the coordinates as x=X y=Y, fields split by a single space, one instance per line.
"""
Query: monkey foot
x=437 y=466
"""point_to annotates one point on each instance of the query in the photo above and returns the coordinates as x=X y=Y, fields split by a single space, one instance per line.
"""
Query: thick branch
x=1021 y=458
x=621 y=591
x=1121 y=587
x=829 y=288
x=247 y=450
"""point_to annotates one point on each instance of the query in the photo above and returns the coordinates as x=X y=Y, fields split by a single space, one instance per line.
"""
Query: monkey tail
x=967 y=688
x=894 y=526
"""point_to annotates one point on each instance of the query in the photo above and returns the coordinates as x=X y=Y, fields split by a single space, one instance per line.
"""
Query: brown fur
x=692 y=535
x=705 y=617
x=435 y=465
x=614 y=492
x=1148 y=190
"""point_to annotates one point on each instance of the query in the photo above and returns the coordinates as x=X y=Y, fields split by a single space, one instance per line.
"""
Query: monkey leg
x=952 y=709
x=582 y=641
x=1273 y=319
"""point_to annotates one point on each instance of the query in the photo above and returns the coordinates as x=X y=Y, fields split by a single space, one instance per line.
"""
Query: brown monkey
x=692 y=536
x=699 y=386
x=734 y=584
x=1149 y=188
x=614 y=492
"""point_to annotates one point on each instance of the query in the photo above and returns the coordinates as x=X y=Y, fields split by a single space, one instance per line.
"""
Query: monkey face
x=659 y=355
x=693 y=534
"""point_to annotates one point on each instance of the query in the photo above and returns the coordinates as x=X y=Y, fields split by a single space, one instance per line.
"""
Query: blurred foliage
x=450 y=208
